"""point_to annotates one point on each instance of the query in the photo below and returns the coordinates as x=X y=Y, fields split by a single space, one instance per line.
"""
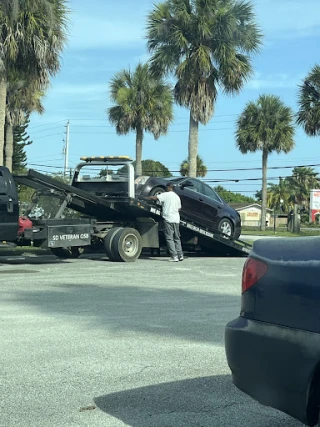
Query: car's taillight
x=253 y=270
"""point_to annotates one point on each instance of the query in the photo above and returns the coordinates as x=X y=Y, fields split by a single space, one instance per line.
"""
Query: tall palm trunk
x=139 y=139
x=193 y=147
x=264 y=189
x=3 y=101
x=9 y=146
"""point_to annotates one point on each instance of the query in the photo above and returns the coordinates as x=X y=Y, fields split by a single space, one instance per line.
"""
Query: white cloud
x=288 y=18
x=272 y=81
x=80 y=89
x=94 y=32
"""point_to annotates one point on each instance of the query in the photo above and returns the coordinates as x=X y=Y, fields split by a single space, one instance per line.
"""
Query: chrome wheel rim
x=226 y=228
x=130 y=244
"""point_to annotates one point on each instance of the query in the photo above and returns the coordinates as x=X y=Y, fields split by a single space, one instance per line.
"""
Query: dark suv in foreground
x=273 y=347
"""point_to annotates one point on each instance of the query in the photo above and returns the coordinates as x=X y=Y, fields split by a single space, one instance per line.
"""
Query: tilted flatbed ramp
x=210 y=239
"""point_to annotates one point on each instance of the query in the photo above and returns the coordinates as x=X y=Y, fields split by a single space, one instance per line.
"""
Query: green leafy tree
x=267 y=126
x=201 y=168
x=21 y=139
x=232 y=197
x=143 y=103
x=279 y=196
x=32 y=37
x=303 y=180
x=309 y=103
x=258 y=196
x=23 y=96
x=149 y=168
x=207 y=45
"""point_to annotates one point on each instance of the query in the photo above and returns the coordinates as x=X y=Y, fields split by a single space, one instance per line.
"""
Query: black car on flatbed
x=200 y=202
x=273 y=347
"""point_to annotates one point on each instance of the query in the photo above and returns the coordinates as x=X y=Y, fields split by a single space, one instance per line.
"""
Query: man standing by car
x=171 y=205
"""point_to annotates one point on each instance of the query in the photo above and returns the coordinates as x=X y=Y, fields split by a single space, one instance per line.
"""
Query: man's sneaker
x=181 y=258
x=174 y=259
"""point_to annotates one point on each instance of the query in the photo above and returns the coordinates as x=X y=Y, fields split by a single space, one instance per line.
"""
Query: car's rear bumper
x=273 y=364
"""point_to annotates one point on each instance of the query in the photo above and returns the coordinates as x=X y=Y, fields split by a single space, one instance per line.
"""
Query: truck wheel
x=225 y=227
x=126 y=245
x=108 y=242
x=70 y=252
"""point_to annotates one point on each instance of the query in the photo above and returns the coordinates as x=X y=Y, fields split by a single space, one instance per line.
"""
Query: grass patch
x=281 y=233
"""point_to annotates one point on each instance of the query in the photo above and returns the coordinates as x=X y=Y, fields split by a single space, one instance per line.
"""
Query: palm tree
x=142 y=104
x=303 y=180
x=279 y=196
x=201 y=168
x=206 y=44
x=23 y=97
x=309 y=103
x=265 y=125
x=33 y=34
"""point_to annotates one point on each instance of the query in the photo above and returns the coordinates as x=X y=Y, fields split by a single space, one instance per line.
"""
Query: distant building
x=251 y=214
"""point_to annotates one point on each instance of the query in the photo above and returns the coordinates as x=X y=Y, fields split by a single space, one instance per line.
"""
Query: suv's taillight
x=253 y=270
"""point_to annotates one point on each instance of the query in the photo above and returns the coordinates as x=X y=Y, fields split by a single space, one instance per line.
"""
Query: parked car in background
x=199 y=202
x=273 y=347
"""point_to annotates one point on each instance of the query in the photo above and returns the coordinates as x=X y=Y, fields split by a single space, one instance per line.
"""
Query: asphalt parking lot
x=92 y=343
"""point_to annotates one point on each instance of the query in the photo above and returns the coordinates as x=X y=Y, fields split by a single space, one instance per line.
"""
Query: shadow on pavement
x=165 y=312
x=199 y=402
x=29 y=259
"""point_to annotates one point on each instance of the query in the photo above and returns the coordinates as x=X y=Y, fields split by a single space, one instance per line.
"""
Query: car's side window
x=209 y=192
x=196 y=186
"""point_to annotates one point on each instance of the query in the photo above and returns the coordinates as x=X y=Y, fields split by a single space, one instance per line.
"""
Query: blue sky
x=106 y=37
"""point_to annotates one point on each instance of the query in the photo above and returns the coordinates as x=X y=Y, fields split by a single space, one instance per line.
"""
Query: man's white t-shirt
x=171 y=204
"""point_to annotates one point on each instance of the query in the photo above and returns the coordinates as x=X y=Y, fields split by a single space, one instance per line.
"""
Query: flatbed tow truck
x=113 y=217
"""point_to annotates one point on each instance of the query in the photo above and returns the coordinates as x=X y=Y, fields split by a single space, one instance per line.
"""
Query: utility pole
x=66 y=150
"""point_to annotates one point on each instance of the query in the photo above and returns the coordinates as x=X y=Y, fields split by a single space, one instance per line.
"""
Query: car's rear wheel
x=156 y=191
x=225 y=227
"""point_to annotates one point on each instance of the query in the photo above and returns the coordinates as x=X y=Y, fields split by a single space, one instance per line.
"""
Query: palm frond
x=308 y=115
x=204 y=43
x=265 y=125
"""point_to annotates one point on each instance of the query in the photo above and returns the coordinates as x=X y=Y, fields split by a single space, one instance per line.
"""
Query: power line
x=46 y=124
x=254 y=169
x=44 y=130
x=232 y=169
x=105 y=119
x=172 y=131
x=178 y=118
x=47 y=136
x=172 y=124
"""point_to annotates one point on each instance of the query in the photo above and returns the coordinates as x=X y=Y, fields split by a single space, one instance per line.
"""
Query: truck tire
x=70 y=252
x=126 y=245
x=108 y=242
